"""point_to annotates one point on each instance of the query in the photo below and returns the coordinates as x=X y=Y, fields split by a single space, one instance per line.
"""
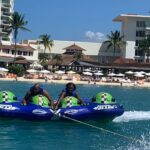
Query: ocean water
x=133 y=126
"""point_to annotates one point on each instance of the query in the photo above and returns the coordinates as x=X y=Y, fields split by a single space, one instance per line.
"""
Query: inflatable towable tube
x=32 y=111
x=102 y=107
x=39 y=109
x=7 y=97
x=69 y=101
x=40 y=100
x=104 y=98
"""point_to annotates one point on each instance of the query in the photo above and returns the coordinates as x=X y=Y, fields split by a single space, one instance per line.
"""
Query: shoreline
x=20 y=79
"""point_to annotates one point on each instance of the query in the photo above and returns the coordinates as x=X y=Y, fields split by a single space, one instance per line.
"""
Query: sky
x=76 y=20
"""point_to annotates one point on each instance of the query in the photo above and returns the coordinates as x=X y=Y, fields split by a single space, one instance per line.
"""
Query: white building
x=7 y=49
x=91 y=48
x=134 y=28
x=6 y=9
x=7 y=52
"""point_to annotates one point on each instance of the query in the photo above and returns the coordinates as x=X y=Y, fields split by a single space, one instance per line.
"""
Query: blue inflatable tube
x=33 y=112
x=92 y=111
x=28 y=112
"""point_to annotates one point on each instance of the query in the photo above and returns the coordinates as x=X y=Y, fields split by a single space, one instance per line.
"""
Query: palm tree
x=45 y=40
x=78 y=56
x=16 y=23
x=144 y=46
x=115 y=40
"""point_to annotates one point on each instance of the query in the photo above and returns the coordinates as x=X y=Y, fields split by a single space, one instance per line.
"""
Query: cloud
x=95 y=36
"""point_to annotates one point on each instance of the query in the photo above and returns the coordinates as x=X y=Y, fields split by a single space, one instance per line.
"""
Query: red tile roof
x=18 y=47
x=123 y=61
x=74 y=47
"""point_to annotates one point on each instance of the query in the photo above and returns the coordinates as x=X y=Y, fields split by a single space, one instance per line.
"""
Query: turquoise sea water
x=68 y=135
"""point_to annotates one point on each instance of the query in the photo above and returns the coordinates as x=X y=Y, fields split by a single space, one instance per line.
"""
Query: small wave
x=133 y=116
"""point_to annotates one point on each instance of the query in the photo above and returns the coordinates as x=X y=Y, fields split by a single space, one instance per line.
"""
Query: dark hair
x=70 y=83
x=34 y=86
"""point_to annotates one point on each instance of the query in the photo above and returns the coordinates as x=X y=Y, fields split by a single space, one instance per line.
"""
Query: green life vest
x=7 y=96
x=40 y=100
x=69 y=101
x=104 y=98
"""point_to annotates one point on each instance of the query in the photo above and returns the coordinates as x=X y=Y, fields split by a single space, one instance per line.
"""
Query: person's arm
x=26 y=98
x=62 y=95
x=49 y=98
x=80 y=100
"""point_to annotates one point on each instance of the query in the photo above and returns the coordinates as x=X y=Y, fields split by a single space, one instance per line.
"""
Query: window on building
x=19 y=52
x=6 y=51
x=140 y=24
x=148 y=24
x=138 y=42
x=30 y=53
x=6 y=1
x=25 y=53
x=140 y=33
x=13 y=52
x=139 y=52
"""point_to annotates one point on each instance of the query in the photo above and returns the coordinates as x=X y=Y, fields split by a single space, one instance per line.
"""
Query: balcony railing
x=5 y=22
x=4 y=31
x=6 y=13
x=6 y=39
x=6 y=5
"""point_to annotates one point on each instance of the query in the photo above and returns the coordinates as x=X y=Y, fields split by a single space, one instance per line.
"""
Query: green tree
x=144 y=47
x=45 y=40
x=16 y=23
x=19 y=70
x=115 y=40
x=78 y=56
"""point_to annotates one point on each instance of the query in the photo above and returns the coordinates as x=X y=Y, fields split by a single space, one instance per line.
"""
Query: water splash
x=133 y=116
x=143 y=144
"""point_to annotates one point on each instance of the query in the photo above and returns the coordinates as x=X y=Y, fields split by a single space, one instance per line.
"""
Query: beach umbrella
x=87 y=73
x=142 y=72
x=31 y=71
x=59 y=72
x=139 y=75
x=3 y=69
x=36 y=65
x=99 y=74
x=87 y=70
x=71 y=72
x=147 y=74
x=111 y=74
x=99 y=71
x=44 y=71
x=129 y=72
x=120 y=75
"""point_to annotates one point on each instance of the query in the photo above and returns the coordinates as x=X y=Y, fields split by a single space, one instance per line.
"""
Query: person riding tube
x=69 y=91
x=34 y=91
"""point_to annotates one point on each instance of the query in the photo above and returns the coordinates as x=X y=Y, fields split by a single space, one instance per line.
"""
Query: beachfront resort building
x=7 y=49
x=135 y=28
x=7 y=53
x=6 y=9
x=59 y=47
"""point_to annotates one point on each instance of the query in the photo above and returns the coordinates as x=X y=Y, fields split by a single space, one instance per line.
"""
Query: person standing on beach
x=36 y=89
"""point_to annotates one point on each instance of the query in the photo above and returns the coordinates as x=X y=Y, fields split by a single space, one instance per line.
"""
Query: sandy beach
x=132 y=84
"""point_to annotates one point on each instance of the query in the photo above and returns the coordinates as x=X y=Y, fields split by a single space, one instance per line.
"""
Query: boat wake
x=133 y=116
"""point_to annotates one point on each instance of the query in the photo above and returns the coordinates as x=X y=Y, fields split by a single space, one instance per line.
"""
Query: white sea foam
x=133 y=116
x=143 y=144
